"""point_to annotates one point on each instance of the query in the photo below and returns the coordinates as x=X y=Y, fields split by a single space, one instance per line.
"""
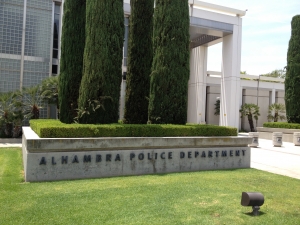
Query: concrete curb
x=11 y=140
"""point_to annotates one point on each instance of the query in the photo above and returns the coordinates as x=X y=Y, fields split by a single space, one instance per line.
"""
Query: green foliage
x=292 y=81
x=282 y=125
x=102 y=59
x=140 y=54
x=276 y=73
x=11 y=116
x=90 y=108
x=32 y=101
x=170 y=68
x=217 y=107
x=49 y=91
x=275 y=112
x=250 y=110
x=71 y=63
x=55 y=129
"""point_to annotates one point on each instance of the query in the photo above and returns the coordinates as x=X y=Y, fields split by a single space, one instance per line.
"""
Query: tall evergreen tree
x=292 y=80
x=170 y=68
x=140 y=54
x=102 y=63
x=72 y=48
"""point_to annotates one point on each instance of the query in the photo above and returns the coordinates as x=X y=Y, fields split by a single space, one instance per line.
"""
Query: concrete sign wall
x=44 y=164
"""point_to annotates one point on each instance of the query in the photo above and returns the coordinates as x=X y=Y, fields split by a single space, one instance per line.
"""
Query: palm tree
x=11 y=113
x=274 y=112
x=32 y=102
x=250 y=110
x=49 y=92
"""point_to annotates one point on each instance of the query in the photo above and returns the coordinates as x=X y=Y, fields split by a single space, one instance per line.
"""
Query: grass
x=205 y=197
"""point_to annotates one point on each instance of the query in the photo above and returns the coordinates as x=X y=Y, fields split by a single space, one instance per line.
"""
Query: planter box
x=266 y=133
x=254 y=136
x=47 y=159
x=277 y=139
x=296 y=138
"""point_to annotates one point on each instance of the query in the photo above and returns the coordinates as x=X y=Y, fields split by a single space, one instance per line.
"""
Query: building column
x=197 y=85
x=240 y=104
x=124 y=69
x=23 y=45
x=273 y=96
x=230 y=82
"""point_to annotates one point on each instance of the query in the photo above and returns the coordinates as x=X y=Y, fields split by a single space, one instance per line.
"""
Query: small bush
x=47 y=128
x=282 y=125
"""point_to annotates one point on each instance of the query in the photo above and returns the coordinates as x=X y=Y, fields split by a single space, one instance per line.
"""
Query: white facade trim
x=23 y=45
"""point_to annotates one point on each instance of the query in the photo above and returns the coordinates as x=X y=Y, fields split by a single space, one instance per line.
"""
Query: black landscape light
x=254 y=199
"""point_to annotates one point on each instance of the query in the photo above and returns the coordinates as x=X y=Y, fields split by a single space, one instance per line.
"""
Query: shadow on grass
x=261 y=213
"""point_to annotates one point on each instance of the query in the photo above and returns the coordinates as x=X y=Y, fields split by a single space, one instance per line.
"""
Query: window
x=56 y=38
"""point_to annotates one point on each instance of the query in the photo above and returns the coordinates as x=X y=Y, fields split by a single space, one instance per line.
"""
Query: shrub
x=71 y=64
x=102 y=61
x=140 y=54
x=292 y=81
x=282 y=125
x=170 y=67
x=56 y=129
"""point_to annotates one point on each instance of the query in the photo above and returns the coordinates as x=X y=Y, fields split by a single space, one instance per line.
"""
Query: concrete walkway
x=8 y=145
x=283 y=160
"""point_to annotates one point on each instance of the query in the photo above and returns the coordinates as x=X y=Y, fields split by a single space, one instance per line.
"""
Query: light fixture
x=254 y=199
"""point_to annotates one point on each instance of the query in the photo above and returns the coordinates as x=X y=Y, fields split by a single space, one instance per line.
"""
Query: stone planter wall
x=47 y=159
x=266 y=133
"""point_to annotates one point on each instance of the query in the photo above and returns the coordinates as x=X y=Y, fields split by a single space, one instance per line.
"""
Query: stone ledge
x=35 y=144
x=11 y=140
x=287 y=134
x=283 y=130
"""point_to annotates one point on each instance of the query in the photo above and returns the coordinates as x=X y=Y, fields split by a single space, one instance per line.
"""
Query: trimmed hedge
x=292 y=80
x=171 y=63
x=71 y=63
x=282 y=125
x=140 y=55
x=47 y=128
x=102 y=61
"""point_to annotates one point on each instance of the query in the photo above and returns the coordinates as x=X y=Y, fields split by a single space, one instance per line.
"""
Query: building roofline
x=224 y=9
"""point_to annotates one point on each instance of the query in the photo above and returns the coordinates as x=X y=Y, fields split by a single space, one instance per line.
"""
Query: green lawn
x=207 y=197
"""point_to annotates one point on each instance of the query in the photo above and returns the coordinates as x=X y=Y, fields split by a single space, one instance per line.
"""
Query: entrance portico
x=211 y=24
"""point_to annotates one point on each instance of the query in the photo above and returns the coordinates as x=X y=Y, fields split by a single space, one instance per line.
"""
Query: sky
x=265 y=35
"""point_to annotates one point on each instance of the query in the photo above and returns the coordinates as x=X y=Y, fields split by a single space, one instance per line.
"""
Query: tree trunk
x=250 y=119
x=17 y=131
x=36 y=112
x=276 y=117
x=9 y=130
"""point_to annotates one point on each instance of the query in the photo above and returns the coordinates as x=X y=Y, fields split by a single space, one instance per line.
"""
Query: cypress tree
x=170 y=68
x=102 y=63
x=72 y=47
x=292 y=80
x=140 y=54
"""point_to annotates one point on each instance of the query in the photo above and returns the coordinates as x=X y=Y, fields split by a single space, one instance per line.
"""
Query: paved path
x=8 y=145
x=283 y=160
